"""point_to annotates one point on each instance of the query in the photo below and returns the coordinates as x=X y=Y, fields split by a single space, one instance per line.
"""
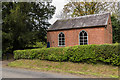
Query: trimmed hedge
x=81 y=53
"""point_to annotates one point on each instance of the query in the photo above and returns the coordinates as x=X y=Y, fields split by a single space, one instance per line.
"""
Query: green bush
x=82 y=53
x=40 y=45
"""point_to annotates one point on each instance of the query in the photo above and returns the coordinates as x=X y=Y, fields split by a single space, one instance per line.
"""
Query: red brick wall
x=96 y=35
x=108 y=32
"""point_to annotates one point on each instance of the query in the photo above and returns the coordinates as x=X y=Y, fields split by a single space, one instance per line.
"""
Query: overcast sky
x=59 y=4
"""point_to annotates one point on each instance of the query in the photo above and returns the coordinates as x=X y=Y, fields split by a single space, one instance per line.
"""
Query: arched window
x=83 y=38
x=61 y=39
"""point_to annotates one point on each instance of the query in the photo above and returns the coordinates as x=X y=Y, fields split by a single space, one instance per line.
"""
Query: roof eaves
x=107 y=20
x=76 y=28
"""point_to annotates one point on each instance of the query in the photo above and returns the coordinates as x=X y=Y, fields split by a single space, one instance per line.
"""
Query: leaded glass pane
x=83 y=38
x=61 y=39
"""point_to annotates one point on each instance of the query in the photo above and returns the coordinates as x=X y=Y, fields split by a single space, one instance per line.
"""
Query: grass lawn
x=99 y=70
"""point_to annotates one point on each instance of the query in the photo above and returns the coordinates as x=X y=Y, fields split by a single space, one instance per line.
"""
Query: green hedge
x=82 y=53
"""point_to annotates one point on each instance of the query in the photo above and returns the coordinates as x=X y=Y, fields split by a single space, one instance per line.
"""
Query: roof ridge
x=85 y=16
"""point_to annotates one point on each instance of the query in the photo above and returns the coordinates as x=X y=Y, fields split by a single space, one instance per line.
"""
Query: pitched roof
x=81 y=22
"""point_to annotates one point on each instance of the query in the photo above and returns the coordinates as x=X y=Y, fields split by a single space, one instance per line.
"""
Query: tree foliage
x=24 y=23
x=116 y=29
x=75 y=9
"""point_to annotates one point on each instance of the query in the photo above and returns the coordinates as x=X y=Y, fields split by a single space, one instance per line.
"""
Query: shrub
x=40 y=45
x=82 y=53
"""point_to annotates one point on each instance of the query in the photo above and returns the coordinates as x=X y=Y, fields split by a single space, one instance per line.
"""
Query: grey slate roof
x=81 y=22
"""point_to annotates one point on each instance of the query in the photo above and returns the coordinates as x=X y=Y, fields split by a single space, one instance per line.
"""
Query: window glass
x=61 y=39
x=83 y=38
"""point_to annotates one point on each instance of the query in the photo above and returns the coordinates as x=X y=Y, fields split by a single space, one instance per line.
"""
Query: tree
x=75 y=9
x=24 y=23
x=116 y=29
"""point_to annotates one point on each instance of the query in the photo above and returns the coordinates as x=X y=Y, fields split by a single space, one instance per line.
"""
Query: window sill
x=61 y=46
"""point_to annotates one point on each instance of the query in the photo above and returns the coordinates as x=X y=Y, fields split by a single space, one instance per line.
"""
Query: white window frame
x=83 y=36
x=61 y=39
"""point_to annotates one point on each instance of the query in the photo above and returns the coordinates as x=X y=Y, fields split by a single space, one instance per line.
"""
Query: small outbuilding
x=83 y=30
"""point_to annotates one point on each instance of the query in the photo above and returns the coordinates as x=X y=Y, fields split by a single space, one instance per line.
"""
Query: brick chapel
x=83 y=30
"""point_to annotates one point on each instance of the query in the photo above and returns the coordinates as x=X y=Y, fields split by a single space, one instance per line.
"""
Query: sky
x=59 y=4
